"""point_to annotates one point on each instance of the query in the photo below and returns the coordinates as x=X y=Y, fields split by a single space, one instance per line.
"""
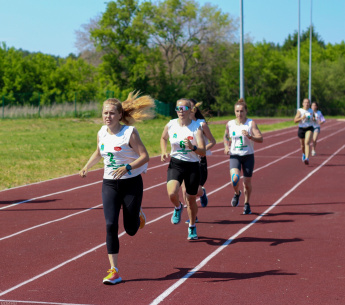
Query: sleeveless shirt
x=116 y=151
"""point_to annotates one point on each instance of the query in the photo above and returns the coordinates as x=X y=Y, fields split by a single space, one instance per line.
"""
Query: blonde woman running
x=125 y=158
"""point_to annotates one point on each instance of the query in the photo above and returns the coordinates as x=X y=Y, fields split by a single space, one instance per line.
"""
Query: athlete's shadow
x=212 y=241
x=214 y=276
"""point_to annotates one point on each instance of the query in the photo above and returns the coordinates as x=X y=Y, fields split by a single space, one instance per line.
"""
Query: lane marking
x=163 y=183
x=67 y=176
x=172 y=288
x=177 y=284
x=13 y=302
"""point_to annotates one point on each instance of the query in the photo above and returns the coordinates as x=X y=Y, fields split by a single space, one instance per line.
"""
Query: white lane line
x=163 y=183
x=14 y=302
x=121 y=234
x=171 y=289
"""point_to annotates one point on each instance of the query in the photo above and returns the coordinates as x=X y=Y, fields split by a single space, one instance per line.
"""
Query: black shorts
x=245 y=162
x=203 y=170
x=188 y=172
x=301 y=131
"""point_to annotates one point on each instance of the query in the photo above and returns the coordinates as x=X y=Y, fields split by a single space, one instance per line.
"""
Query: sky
x=49 y=26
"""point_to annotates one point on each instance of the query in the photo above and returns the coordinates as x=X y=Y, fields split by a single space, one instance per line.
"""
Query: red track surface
x=289 y=251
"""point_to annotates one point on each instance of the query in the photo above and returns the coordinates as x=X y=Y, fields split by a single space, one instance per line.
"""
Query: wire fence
x=89 y=104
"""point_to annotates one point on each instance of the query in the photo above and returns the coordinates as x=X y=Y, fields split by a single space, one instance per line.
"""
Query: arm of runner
x=94 y=159
x=227 y=141
x=164 y=143
x=207 y=132
x=200 y=148
x=256 y=134
x=138 y=146
x=298 y=117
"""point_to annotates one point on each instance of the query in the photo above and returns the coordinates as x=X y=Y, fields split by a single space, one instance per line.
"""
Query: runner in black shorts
x=187 y=144
x=241 y=134
x=197 y=115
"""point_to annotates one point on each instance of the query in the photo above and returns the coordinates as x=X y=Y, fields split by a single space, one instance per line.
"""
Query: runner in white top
x=187 y=144
x=304 y=118
x=125 y=158
x=240 y=135
x=197 y=115
x=319 y=120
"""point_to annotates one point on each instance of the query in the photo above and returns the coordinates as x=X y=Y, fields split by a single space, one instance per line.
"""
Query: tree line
x=172 y=49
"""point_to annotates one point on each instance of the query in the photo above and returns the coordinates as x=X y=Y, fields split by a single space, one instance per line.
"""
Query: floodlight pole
x=310 y=46
x=298 y=58
x=241 y=52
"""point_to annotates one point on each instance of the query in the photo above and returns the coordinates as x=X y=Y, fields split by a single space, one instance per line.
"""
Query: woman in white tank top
x=187 y=144
x=304 y=117
x=240 y=135
x=125 y=158
x=197 y=115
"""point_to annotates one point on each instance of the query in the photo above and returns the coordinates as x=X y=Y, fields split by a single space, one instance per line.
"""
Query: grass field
x=34 y=150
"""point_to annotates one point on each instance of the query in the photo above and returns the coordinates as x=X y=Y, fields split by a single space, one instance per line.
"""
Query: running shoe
x=313 y=153
x=306 y=161
x=247 y=209
x=236 y=199
x=204 y=199
x=176 y=217
x=142 y=219
x=112 y=278
x=303 y=157
x=196 y=220
x=192 y=233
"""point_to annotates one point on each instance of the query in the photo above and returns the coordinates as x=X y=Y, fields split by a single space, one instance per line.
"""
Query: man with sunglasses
x=187 y=144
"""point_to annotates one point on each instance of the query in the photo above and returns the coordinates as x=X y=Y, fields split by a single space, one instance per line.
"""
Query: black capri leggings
x=127 y=193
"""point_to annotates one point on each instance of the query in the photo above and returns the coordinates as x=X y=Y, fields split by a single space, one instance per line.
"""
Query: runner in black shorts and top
x=240 y=135
x=197 y=115
x=125 y=158
x=187 y=144
x=304 y=117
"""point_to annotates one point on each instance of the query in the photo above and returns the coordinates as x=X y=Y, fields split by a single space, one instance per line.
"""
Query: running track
x=289 y=251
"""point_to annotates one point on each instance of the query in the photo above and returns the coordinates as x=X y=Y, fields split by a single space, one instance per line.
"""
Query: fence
x=75 y=104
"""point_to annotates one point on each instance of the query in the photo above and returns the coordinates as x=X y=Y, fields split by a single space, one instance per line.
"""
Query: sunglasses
x=181 y=108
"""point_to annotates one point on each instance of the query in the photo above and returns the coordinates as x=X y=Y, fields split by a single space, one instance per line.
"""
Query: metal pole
x=75 y=104
x=298 y=59
x=310 y=50
x=241 y=52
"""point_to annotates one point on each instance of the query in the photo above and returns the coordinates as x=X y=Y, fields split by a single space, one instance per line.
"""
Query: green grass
x=35 y=150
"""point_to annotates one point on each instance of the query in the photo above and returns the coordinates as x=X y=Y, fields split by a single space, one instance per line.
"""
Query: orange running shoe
x=142 y=219
x=112 y=278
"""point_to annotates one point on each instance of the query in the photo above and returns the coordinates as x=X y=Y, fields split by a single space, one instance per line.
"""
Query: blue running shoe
x=192 y=233
x=196 y=220
x=204 y=199
x=176 y=217
x=303 y=157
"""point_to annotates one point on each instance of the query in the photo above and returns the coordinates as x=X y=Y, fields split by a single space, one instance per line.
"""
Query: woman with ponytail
x=125 y=158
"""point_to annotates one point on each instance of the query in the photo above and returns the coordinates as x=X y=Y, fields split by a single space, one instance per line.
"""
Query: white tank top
x=116 y=151
x=308 y=120
x=318 y=118
x=240 y=144
x=177 y=134
x=202 y=122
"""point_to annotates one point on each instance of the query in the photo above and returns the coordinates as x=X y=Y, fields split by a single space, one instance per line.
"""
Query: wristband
x=194 y=148
x=128 y=168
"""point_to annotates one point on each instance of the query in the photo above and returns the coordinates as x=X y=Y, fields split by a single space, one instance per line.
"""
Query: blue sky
x=49 y=26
